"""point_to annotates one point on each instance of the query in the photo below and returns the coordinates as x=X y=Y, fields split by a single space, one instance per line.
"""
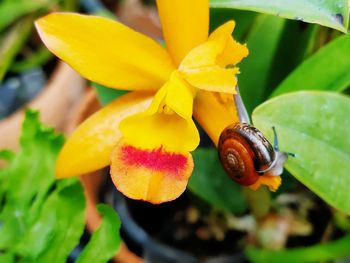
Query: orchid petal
x=185 y=25
x=154 y=175
x=206 y=66
x=220 y=49
x=90 y=146
x=214 y=112
x=105 y=51
x=167 y=123
x=213 y=79
x=272 y=182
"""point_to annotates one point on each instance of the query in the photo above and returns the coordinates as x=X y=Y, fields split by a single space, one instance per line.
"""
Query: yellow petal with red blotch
x=272 y=182
x=105 y=51
x=167 y=122
x=90 y=146
x=185 y=25
x=214 y=112
x=213 y=79
x=154 y=175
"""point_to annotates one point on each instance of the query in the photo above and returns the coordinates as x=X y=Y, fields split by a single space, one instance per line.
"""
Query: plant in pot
x=148 y=134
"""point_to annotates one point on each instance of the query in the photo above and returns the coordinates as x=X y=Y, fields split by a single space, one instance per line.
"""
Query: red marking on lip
x=157 y=160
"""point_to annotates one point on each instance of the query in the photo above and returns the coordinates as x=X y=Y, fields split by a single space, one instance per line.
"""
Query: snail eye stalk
x=275 y=143
x=275 y=139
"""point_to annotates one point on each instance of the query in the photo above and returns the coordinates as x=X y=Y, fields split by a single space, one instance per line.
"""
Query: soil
x=169 y=224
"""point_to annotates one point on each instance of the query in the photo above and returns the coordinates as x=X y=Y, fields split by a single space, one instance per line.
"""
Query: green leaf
x=317 y=253
x=297 y=43
x=13 y=10
x=42 y=219
x=262 y=43
x=334 y=14
x=106 y=95
x=210 y=182
x=244 y=21
x=314 y=126
x=7 y=258
x=58 y=229
x=105 y=241
x=328 y=69
x=29 y=178
x=12 y=43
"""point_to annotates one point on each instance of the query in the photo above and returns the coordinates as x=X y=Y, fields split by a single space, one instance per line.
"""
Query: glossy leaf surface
x=314 y=126
x=334 y=14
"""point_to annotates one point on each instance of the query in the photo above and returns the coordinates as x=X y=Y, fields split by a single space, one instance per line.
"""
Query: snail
x=245 y=153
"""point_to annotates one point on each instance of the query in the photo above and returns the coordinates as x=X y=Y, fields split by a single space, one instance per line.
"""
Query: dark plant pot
x=152 y=249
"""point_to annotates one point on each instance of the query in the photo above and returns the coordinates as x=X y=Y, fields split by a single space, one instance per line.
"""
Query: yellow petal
x=204 y=67
x=231 y=52
x=272 y=182
x=179 y=96
x=185 y=25
x=214 y=112
x=176 y=94
x=169 y=131
x=212 y=79
x=90 y=146
x=220 y=49
x=168 y=121
x=154 y=175
x=105 y=51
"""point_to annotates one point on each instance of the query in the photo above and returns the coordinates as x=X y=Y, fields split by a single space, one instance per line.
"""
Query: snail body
x=246 y=154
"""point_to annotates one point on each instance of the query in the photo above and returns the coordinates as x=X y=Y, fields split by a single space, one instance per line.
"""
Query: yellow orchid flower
x=147 y=135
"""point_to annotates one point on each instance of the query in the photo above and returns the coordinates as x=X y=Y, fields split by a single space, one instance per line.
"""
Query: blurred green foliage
x=16 y=30
x=317 y=253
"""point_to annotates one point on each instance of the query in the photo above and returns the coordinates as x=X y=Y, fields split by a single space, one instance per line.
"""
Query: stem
x=259 y=201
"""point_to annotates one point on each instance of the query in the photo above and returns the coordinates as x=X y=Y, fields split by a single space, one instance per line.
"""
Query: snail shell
x=245 y=153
